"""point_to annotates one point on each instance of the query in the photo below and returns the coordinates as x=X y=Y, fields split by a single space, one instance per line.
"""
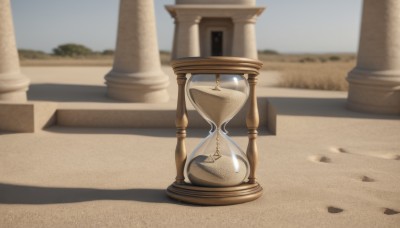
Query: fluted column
x=244 y=36
x=136 y=75
x=375 y=81
x=13 y=84
x=187 y=38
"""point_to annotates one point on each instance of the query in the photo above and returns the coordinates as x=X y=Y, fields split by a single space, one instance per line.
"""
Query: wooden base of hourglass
x=182 y=191
x=214 y=196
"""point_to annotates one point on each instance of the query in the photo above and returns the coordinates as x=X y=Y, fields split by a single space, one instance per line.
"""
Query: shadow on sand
x=296 y=106
x=152 y=132
x=23 y=194
x=319 y=107
x=68 y=93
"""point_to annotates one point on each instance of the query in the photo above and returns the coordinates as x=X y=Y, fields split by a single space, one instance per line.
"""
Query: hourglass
x=218 y=170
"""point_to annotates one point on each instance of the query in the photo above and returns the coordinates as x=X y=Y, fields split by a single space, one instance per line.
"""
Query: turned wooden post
x=181 y=123
x=252 y=121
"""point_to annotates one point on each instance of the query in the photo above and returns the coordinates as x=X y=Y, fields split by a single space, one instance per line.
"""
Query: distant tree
x=307 y=60
x=108 y=52
x=269 y=52
x=72 y=50
x=334 y=58
x=164 y=52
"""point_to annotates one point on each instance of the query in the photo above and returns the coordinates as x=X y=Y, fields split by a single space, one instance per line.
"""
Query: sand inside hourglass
x=215 y=169
x=217 y=104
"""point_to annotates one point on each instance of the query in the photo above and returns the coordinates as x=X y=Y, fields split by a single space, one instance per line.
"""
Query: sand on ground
x=327 y=167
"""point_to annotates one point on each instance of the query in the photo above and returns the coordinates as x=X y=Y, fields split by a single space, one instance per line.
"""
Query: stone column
x=375 y=81
x=175 y=43
x=244 y=37
x=136 y=75
x=13 y=84
x=188 y=36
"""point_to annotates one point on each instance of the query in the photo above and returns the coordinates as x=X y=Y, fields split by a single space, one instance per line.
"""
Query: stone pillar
x=175 y=43
x=136 y=75
x=375 y=81
x=13 y=84
x=244 y=37
x=188 y=36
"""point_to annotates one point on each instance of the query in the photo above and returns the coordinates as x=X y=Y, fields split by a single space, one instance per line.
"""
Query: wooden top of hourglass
x=216 y=64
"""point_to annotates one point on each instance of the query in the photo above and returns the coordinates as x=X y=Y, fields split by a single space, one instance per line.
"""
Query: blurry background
x=310 y=44
x=287 y=26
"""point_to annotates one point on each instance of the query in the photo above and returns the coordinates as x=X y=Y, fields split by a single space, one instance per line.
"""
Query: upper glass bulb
x=218 y=97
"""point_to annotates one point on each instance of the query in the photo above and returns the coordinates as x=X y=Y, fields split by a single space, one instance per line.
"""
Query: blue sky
x=290 y=26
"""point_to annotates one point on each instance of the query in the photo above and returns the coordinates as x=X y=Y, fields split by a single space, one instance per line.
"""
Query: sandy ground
x=327 y=167
x=76 y=87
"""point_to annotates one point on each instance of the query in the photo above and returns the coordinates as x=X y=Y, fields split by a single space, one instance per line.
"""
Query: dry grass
x=321 y=76
x=93 y=60
x=68 y=62
x=323 y=72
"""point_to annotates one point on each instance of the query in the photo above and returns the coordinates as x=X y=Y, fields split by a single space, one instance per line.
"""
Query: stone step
x=27 y=117
x=34 y=116
x=142 y=118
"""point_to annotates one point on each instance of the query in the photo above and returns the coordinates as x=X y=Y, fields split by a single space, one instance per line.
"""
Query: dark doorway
x=216 y=43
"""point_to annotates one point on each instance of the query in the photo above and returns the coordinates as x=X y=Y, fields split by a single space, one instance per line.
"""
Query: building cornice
x=214 y=10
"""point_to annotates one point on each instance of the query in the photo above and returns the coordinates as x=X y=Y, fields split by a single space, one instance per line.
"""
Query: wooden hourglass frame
x=186 y=192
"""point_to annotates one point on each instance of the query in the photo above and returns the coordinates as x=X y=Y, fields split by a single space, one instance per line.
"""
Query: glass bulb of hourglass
x=217 y=161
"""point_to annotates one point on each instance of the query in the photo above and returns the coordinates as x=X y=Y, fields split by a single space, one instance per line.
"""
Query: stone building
x=214 y=28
